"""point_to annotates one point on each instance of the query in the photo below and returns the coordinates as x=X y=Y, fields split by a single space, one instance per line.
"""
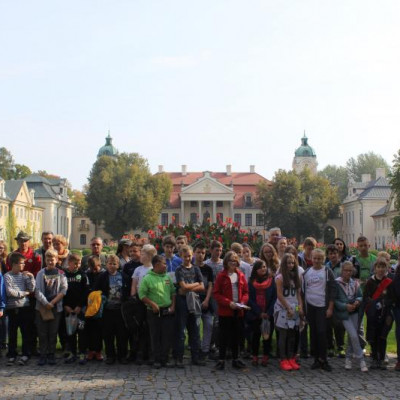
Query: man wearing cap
x=123 y=251
x=33 y=261
x=96 y=245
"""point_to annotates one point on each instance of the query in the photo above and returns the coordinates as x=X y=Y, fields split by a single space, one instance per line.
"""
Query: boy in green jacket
x=157 y=291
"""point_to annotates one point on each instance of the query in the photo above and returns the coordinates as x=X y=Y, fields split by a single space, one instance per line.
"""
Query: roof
x=380 y=212
x=243 y=182
x=305 y=150
x=43 y=190
x=12 y=188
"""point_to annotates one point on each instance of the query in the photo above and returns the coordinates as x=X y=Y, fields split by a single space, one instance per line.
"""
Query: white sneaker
x=386 y=361
x=347 y=364
x=23 y=360
x=363 y=366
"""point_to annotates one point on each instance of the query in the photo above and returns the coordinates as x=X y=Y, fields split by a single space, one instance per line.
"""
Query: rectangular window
x=260 y=219
x=164 y=219
x=175 y=218
x=247 y=201
x=238 y=218
x=248 y=219
x=206 y=203
x=220 y=203
x=193 y=218
x=193 y=204
x=82 y=239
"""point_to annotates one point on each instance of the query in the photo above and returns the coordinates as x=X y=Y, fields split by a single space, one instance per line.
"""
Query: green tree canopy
x=124 y=195
x=366 y=163
x=338 y=177
x=78 y=200
x=8 y=168
x=298 y=203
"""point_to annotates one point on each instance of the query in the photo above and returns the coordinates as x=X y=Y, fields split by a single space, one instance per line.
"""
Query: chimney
x=365 y=178
x=252 y=169
x=160 y=169
x=184 y=170
x=380 y=173
x=229 y=170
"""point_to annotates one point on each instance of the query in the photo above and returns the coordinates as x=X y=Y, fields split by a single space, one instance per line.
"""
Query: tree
x=21 y=171
x=338 y=177
x=6 y=164
x=124 y=195
x=298 y=203
x=366 y=163
x=395 y=180
x=78 y=200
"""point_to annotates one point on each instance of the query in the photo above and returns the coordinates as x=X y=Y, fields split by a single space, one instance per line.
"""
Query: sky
x=201 y=83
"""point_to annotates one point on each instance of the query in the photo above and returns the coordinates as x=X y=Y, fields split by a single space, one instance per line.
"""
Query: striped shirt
x=16 y=286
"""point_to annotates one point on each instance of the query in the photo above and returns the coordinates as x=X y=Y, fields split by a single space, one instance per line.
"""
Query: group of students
x=148 y=303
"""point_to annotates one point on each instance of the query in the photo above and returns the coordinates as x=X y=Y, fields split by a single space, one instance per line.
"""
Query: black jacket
x=103 y=284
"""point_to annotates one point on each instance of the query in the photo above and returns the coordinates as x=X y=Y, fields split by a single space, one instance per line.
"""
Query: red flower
x=219 y=239
x=157 y=246
x=198 y=236
x=245 y=239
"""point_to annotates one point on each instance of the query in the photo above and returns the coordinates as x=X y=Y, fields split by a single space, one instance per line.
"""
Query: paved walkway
x=99 y=381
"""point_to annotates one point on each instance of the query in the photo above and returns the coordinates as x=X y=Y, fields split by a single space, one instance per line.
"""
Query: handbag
x=71 y=323
x=45 y=313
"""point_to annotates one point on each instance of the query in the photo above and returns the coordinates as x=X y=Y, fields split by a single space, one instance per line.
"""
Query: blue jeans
x=190 y=321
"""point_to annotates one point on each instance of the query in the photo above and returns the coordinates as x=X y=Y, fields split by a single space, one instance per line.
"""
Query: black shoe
x=326 y=367
x=157 y=365
x=42 y=361
x=167 y=365
x=123 y=361
x=316 y=364
x=238 y=364
x=110 y=360
x=198 y=362
x=374 y=364
x=331 y=353
x=304 y=355
x=220 y=365
x=51 y=360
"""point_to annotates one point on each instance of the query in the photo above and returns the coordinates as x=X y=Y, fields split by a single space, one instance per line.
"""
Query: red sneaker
x=285 y=365
x=254 y=361
x=99 y=356
x=90 y=355
x=294 y=364
x=264 y=361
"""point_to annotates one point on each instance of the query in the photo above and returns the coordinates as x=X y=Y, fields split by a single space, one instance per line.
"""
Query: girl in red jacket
x=231 y=294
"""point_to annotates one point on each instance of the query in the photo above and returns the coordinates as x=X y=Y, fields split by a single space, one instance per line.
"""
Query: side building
x=364 y=199
x=19 y=210
x=52 y=195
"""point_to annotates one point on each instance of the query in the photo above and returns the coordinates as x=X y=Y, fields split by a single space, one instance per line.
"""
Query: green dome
x=305 y=150
x=108 y=149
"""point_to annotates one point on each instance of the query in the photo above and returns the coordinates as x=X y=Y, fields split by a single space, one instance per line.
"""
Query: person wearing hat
x=123 y=251
x=33 y=261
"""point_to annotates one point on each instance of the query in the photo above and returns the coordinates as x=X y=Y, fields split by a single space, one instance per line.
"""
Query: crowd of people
x=139 y=306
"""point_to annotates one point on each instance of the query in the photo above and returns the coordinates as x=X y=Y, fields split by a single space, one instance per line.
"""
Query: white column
x=231 y=204
x=182 y=212
x=200 y=216
x=214 y=212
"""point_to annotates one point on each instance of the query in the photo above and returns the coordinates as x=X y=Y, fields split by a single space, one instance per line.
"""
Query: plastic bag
x=71 y=323
x=265 y=328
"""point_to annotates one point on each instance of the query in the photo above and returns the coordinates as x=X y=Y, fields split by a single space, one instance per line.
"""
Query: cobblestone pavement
x=99 y=381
